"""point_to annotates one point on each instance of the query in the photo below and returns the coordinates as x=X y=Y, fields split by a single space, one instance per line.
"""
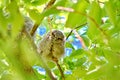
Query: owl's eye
x=53 y=34
x=59 y=39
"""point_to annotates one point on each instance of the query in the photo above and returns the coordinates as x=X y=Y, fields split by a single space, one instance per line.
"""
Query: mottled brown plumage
x=51 y=47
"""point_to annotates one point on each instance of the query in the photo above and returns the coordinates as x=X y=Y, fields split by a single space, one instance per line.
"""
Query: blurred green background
x=99 y=60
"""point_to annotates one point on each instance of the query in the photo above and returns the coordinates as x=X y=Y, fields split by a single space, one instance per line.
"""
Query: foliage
x=100 y=60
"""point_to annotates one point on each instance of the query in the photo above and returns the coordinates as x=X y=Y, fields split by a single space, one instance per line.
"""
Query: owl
x=51 y=47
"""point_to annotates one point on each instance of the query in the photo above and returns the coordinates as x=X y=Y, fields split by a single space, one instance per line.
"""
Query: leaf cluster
x=101 y=59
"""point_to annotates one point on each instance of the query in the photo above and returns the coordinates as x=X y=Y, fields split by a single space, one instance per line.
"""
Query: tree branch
x=49 y=4
x=34 y=29
x=80 y=13
x=74 y=29
x=37 y=24
x=60 y=69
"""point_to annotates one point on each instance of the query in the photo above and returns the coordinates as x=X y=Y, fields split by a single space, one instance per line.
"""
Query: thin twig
x=74 y=29
x=48 y=71
x=77 y=35
x=34 y=29
x=78 y=12
x=69 y=34
x=56 y=60
x=50 y=25
x=60 y=69
x=80 y=25
x=50 y=3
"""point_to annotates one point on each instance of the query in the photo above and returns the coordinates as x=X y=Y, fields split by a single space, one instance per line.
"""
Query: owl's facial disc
x=58 y=35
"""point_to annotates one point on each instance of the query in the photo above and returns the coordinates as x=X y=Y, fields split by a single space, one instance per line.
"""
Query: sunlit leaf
x=101 y=35
x=35 y=2
x=86 y=40
x=75 y=19
x=3 y=21
x=77 y=53
x=111 y=11
x=67 y=44
x=79 y=72
x=114 y=44
x=35 y=15
x=16 y=19
x=93 y=24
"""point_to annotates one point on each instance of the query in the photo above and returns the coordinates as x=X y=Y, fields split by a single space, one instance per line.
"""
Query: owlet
x=51 y=47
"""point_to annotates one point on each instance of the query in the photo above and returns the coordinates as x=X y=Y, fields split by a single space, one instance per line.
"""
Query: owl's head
x=57 y=36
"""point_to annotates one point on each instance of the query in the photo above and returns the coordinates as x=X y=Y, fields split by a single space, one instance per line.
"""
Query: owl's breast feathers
x=52 y=46
x=58 y=50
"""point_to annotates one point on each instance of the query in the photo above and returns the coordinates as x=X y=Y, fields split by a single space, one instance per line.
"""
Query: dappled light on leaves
x=92 y=39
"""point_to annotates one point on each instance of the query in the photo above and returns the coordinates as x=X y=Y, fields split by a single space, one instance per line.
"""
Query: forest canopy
x=91 y=29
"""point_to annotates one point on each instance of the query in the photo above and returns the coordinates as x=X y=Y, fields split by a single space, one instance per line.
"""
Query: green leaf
x=102 y=73
x=111 y=11
x=68 y=45
x=35 y=2
x=40 y=76
x=3 y=21
x=105 y=26
x=61 y=3
x=79 y=62
x=15 y=19
x=4 y=3
x=51 y=64
x=76 y=19
x=77 y=53
x=2 y=56
x=6 y=76
x=114 y=44
x=78 y=73
x=36 y=15
x=71 y=77
x=93 y=24
x=38 y=2
x=86 y=40
x=53 y=9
